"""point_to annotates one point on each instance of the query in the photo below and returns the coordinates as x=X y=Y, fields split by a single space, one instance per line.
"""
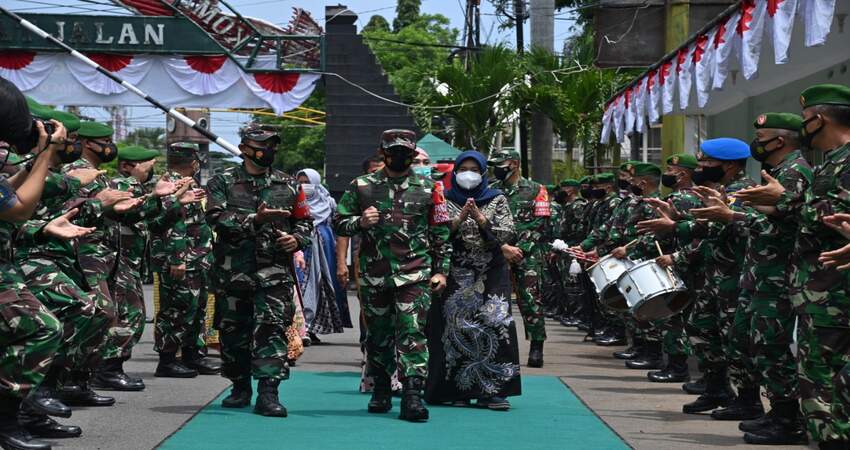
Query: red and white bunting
x=629 y=125
x=780 y=18
x=751 y=31
x=667 y=80
x=282 y=91
x=129 y=68
x=640 y=105
x=684 y=74
x=703 y=59
x=654 y=90
x=619 y=119
x=202 y=75
x=607 y=120
x=26 y=69
x=725 y=41
x=817 y=15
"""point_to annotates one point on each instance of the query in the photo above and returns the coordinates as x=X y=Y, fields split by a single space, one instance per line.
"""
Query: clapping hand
x=267 y=215
x=768 y=194
x=62 y=227
x=287 y=242
x=369 y=217
x=86 y=176
x=660 y=226
x=839 y=223
x=109 y=197
x=716 y=209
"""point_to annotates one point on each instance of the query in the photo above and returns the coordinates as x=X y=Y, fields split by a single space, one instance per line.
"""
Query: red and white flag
x=653 y=90
x=607 y=120
x=780 y=15
x=619 y=119
x=667 y=80
x=131 y=68
x=751 y=31
x=684 y=74
x=629 y=100
x=817 y=15
x=725 y=41
x=640 y=105
x=703 y=60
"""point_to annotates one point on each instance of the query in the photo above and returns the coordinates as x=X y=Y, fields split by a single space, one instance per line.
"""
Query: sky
x=280 y=12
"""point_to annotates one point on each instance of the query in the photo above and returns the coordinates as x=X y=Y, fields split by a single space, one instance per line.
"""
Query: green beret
x=183 y=150
x=550 y=187
x=628 y=166
x=38 y=110
x=781 y=121
x=646 y=169
x=503 y=155
x=682 y=160
x=587 y=179
x=136 y=153
x=825 y=94
x=606 y=177
x=71 y=122
x=569 y=182
x=89 y=129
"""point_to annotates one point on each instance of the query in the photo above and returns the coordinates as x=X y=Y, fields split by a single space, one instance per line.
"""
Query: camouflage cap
x=398 y=138
x=183 y=149
x=256 y=132
x=682 y=160
x=500 y=156
x=780 y=121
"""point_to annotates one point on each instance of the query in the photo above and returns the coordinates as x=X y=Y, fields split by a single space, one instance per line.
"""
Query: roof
x=438 y=149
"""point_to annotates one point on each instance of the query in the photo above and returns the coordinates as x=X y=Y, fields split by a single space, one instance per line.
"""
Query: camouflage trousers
x=841 y=405
x=710 y=324
x=526 y=277
x=551 y=287
x=29 y=337
x=771 y=334
x=252 y=326
x=182 y=308
x=737 y=344
x=129 y=301
x=97 y=270
x=824 y=353
x=395 y=324
x=84 y=325
x=674 y=337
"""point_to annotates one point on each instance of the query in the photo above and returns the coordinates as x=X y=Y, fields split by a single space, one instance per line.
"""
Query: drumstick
x=669 y=271
x=633 y=242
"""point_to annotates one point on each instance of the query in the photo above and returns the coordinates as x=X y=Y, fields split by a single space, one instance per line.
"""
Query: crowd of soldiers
x=764 y=265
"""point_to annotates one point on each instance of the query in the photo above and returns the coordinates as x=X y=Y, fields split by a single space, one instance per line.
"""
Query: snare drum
x=653 y=293
x=604 y=276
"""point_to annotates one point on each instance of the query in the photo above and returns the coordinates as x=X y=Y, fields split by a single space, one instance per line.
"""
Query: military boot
x=77 y=392
x=784 y=426
x=412 y=408
x=696 y=387
x=240 y=394
x=268 y=403
x=44 y=399
x=746 y=406
x=535 y=354
x=635 y=350
x=40 y=425
x=652 y=359
x=194 y=360
x=12 y=434
x=382 y=395
x=718 y=393
x=111 y=377
x=169 y=367
x=676 y=370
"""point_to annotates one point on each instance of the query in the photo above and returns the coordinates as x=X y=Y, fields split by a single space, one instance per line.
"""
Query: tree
x=301 y=146
x=377 y=23
x=406 y=13
x=153 y=138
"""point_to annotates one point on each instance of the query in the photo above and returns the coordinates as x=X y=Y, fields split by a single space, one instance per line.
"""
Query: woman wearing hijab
x=325 y=304
x=472 y=337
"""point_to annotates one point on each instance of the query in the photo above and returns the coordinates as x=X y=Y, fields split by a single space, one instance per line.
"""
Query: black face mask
x=398 y=159
x=623 y=184
x=806 y=137
x=502 y=172
x=262 y=156
x=669 y=180
x=561 y=197
x=597 y=193
x=107 y=152
x=585 y=192
x=758 y=150
x=637 y=190
x=708 y=175
x=71 y=152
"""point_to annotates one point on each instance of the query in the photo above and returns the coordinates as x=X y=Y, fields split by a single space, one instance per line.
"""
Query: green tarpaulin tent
x=438 y=149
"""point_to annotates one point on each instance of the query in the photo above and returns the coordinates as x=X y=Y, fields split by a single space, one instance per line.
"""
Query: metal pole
x=170 y=111
x=519 y=14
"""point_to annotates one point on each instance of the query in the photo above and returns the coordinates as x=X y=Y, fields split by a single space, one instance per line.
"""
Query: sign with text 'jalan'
x=125 y=34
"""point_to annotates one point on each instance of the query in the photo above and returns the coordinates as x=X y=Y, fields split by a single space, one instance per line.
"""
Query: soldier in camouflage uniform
x=819 y=291
x=259 y=217
x=181 y=254
x=550 y=282
x=29 y=334
x=525 y=253
x=572 y=207
x=405 y=247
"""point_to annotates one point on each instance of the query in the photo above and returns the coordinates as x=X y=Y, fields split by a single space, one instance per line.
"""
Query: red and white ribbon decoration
x=26 y=70
x=202 y=75
x=283 y=92
x=130 y=68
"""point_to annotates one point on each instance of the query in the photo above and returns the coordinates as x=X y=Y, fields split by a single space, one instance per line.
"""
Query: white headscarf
x=322 y=205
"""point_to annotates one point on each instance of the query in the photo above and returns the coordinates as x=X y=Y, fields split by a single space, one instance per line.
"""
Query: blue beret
x=725 y=149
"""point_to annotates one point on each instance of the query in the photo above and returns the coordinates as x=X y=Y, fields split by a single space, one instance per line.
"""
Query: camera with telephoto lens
x=49 y=128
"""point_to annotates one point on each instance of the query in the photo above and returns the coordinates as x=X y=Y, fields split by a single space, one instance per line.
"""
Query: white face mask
x=468 y=180
x=309 y=189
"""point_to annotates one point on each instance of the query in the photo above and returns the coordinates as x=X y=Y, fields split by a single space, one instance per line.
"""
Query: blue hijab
x=481 y=193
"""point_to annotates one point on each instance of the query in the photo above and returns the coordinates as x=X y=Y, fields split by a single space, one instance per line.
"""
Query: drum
x=604 y=275
x=653 y=293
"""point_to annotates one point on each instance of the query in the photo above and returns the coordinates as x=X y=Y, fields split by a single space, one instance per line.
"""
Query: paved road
x=646 y=415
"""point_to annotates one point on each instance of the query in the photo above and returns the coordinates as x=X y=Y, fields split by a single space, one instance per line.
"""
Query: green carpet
x=327 y=412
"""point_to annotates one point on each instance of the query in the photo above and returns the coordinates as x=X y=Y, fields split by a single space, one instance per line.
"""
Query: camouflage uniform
x=602 y=215
x=29 y=334
x=182 y=303
x=765 y=326
x=551 y=291
x=252 y=277
x=398 y=256
x=821 y=296
x=531 y=231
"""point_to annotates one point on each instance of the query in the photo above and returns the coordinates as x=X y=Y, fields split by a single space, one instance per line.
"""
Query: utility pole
x=542 y=136
x=519 y=14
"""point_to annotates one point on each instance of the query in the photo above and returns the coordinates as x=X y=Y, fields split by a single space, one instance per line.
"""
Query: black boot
x=268 y=403
x=412 y=408
x=632 y=352
x=44 y=427
x=15 y=437
x=832 y=445
x=381 y=401
x=76 y=392
x=240 y=394
x=675 y=372
x=718 y=393
x=613 y=337
x=696 y=387
x=651 y=360
x=44 y=400
x=111 y=377
x=193 y=359
x=535 y=354
x=169 y=367
x=746 y=406
x=783 y=427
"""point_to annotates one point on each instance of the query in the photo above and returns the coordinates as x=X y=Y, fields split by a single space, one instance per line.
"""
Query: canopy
x=438 y=149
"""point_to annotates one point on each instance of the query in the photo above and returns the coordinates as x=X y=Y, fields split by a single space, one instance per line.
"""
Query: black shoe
x=315 y=339
x=43 y=401
x=610 y=340
x=650 y=362
x=240 y=395
x=696 y=387
x=583 y=326
x=629 y=353
x=382 y=395
x=45 y=427
x=15 y=437
x=174 y=369
x=494 y=403
x=746 y=406
x=85 y=397
x=204 y=366
x=778 y=432
x=676 y=371
x=705 y=403
x=535 y=354
x=268 y=403
x=832 y=445
x=412 y=408
x=754 y=425
x=116 y=381
x=570 y=321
